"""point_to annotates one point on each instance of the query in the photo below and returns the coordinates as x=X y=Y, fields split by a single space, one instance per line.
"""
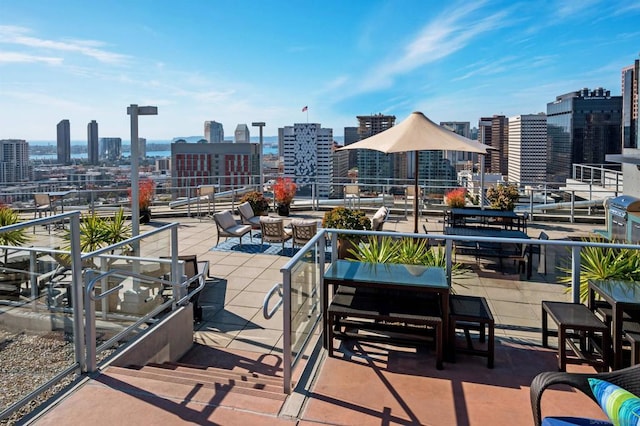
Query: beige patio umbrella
x=418 y=133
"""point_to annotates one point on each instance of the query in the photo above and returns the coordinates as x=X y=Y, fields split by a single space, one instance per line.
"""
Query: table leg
x=325 y=307
x=444 y=300
x=617 y=336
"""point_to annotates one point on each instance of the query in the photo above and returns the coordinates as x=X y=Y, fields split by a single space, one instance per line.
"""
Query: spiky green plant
x=19 y=237
x=97 y=232
x=603 y=263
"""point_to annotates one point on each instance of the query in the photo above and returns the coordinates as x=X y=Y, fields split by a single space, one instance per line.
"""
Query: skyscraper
x=92 y=142
x=242 y=134
x=14 y=161
x=110 y=149
x=631 y=105
x=308 y=154
x=350 y=136
x=582 y=128
x=374 y=165
x=459 y=159
x=213 y=132
x=142 y=148
x=64 y=142
x=528 y=148
x=494 y=131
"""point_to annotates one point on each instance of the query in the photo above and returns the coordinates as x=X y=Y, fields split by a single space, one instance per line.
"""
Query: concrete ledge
x=167 y=342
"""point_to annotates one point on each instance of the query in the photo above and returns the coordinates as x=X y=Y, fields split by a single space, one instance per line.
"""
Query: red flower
x=146 y=191
x=284 y=190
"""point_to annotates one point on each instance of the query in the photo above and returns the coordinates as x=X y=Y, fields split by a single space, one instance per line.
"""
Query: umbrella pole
x=416 y=194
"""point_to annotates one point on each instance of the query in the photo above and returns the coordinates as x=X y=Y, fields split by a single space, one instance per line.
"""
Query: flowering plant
x=283 y=190
x=146 y=191
x=259 y=203
x=456 y=197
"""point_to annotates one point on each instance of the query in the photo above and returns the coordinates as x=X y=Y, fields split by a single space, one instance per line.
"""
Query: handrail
x=265 y=306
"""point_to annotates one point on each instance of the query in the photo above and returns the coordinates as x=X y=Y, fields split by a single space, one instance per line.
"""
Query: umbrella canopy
x=418 y=133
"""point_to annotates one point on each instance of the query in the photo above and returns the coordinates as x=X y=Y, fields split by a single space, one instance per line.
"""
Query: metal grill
x=619 y=209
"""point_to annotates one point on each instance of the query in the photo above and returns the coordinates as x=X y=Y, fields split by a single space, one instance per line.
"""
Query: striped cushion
x=621 y=406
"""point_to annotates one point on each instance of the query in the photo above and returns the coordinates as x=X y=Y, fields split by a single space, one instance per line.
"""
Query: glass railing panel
x=305 y=298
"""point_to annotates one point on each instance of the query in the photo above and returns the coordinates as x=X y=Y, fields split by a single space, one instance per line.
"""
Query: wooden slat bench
x=367 y=316
x=576 y=322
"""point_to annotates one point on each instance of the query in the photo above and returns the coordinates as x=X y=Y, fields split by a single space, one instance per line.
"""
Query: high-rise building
x=229 y=165
x=308 y=155
x=631 y=105
x=350 y=136
x=242 y=135
x=93 y=143
x=340 y=169
x=142 y=148
x=110 y=149
x=459 y=159
x=373 y=165
x=494 y=131
x=582 y=128
x=213 y=132
x=63 y=130
x=630 y=158
x=14 y=161
x=528 y=149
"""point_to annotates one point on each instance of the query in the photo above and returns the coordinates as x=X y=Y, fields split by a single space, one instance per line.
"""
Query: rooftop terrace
x=366 y=384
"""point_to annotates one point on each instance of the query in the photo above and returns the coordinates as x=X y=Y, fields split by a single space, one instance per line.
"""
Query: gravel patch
x=28 y=360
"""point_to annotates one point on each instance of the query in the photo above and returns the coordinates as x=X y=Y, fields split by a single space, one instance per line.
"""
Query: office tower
x=350 y=136
x=340 y=169
x=494 y=131
x=528 y=149
x=631 y=105
x=14 y=161
x=460 y=160
x=229 y=165
x=280 y=143
x=242 y=134
x=92 y=142
x=110 y=149
x=582 y=128
x=213 y=132
x=308 y=154
x=373 y=165
x=142 y=148
x=64 y=142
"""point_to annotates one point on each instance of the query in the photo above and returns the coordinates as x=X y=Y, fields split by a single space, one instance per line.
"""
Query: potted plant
x=503 y=197
x=456 y=198
x=343 y=218
x=284 y=190
x=146 y=192
x=259 y=203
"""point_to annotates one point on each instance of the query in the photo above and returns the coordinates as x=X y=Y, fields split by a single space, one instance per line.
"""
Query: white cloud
x=15 y=57
x=91 y=48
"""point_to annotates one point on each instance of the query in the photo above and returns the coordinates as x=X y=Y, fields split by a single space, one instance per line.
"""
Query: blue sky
x=243 y=61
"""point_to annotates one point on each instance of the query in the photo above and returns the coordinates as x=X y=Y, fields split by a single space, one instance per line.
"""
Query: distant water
x=150 y=154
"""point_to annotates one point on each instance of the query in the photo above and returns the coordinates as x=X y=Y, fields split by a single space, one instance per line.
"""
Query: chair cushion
x=379 y=218
x=245 y=210
x=269 y=219
x=304 y=222
x=225 y=219
x=620 y=405
x=573 y=421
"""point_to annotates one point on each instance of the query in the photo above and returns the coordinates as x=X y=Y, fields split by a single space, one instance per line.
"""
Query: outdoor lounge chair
x=303 y=230
x=248 y=217
x=273 y=230
x=627 y=378
x=228 y=227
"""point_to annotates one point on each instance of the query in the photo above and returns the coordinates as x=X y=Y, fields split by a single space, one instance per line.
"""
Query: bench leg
x=439 y=341
x=330 y=334
x=545 y=323
x=491 y=344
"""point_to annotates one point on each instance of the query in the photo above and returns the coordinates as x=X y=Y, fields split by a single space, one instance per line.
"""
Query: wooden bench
x=367 y=316
x=576 y=322
x=471 y=313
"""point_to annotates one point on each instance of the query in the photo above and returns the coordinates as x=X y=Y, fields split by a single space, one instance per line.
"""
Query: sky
x=243 y=61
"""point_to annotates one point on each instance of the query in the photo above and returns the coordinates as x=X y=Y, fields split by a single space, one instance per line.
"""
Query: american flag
x=304 y=109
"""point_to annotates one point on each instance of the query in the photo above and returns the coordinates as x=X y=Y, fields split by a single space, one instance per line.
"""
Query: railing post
x=286 y=330
x=575 y=274
x=78 y=297
x=573 y=205
x=33 y=260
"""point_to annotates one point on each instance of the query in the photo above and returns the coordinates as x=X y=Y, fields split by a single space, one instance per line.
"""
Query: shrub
x=259 y=203
x=343 y=218
x=503 y=197
x=146 y=192
x=456 y=198
x=18 y=237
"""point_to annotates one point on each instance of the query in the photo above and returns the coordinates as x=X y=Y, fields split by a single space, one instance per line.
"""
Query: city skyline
x=238 y=62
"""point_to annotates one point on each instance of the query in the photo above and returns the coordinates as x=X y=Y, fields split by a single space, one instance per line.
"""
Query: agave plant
x=604 y=263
